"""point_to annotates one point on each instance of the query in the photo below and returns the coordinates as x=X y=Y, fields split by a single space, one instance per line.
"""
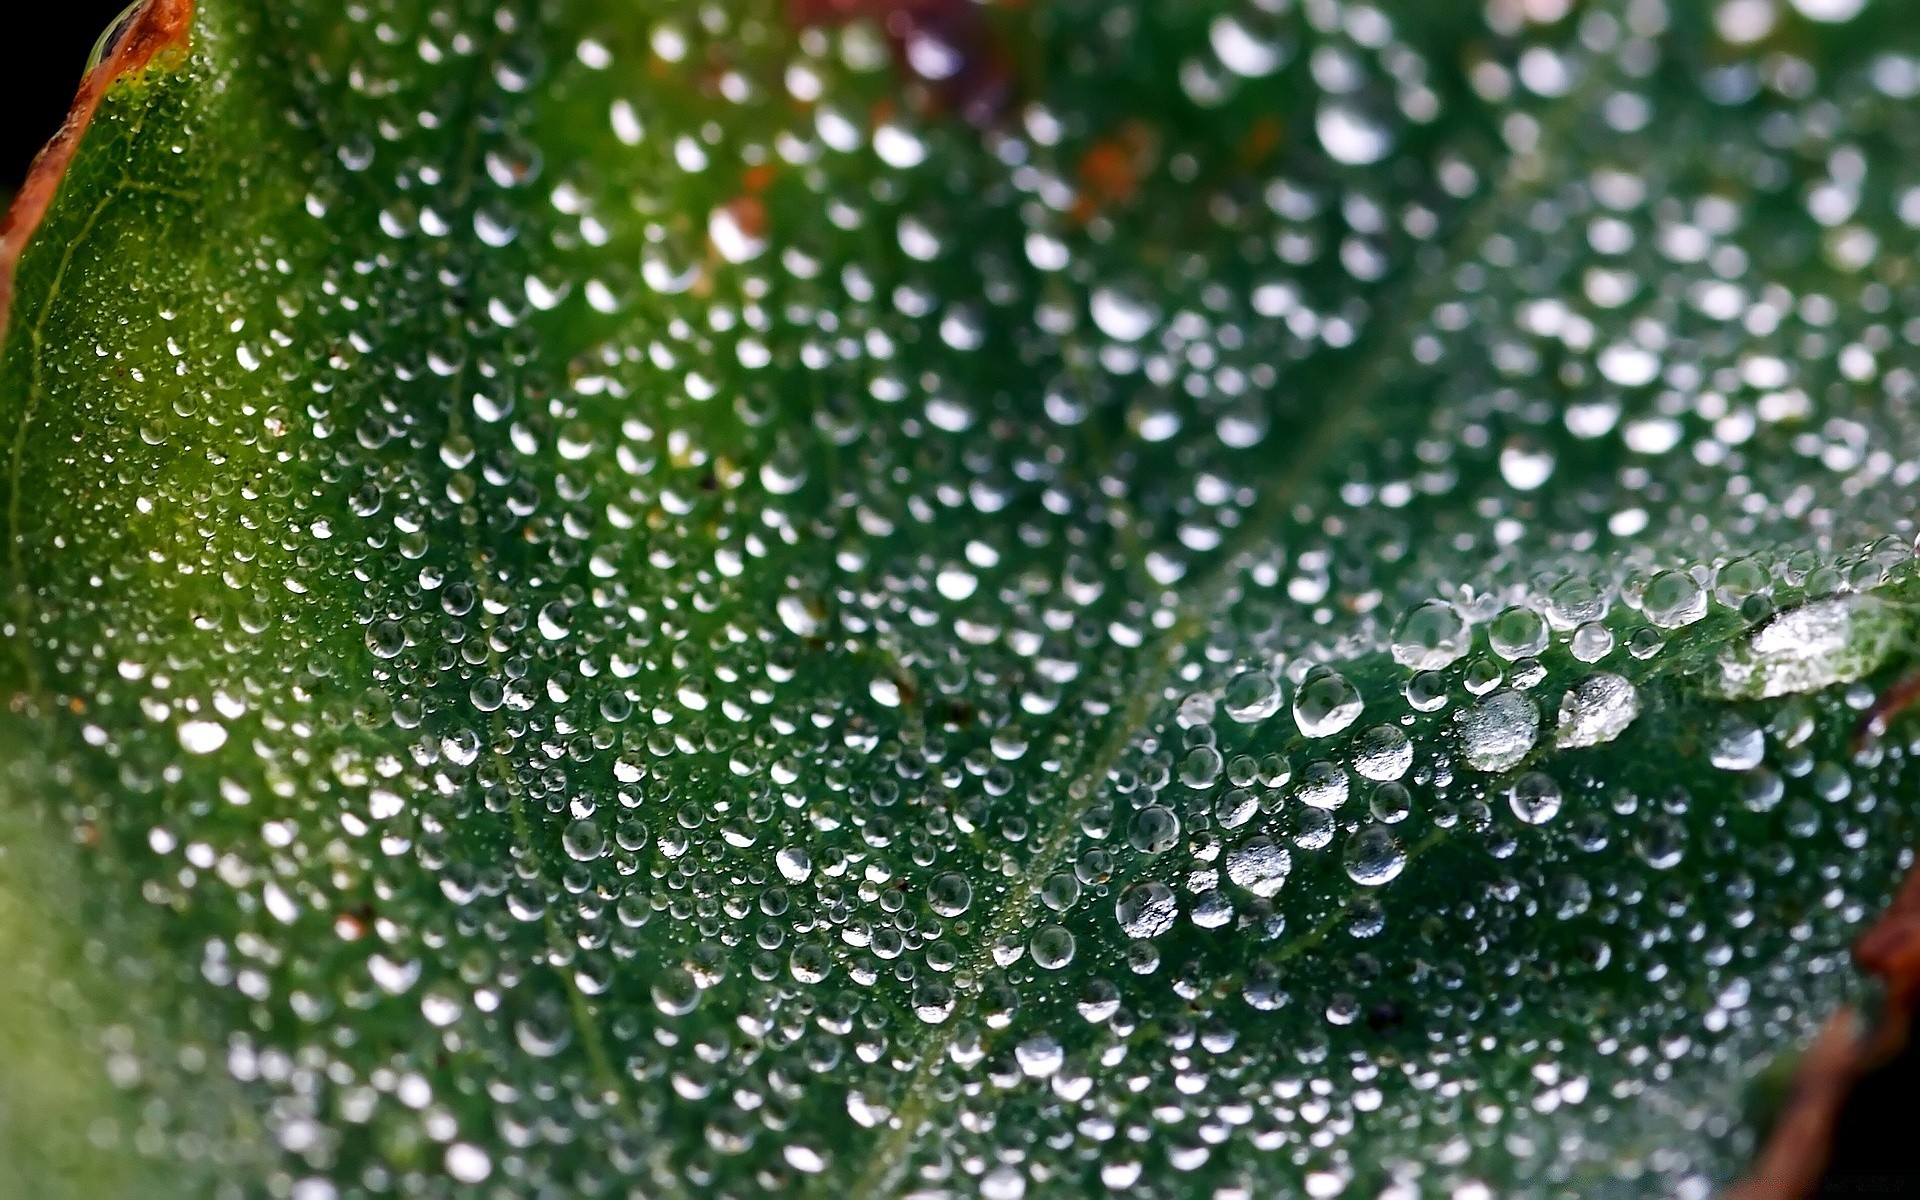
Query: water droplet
x=802 y=617
x=1674 y=599
x=583 y=841
x=202 y=737
x=1260 y=866
x=1498 y=732
x=1325 y=703
x=1374 y=858
x=796 y=866
x=1525 y=464
x=1122 y=315
x=1535 y=798
x=1430 y=637
x=1242 y=52
x=1146 y=910
x=949 y=894
x=1052 y=947
x=1384 y=753
x=1596 y=710
x=468 y=1163
x=1810 y=647
x=1322 y=785
x=675 y=992
x=1350 y=135
x=1003 y=1183
x=1517 y=633
x=1155 y=830
x=386 y=638
x=1252 y=696
x=1738 y=745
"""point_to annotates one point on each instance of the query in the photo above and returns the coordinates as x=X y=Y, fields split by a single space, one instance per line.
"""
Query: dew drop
x=1325 y=703
x=1498 y=732
x=1351 y=136
x=1674 y=599
x=1535 y=798
x=1260 y=866
x=1430 y=637
x=1146 y=910
x=202 y=737
x=1384 y=753
x=1052 y=947
x=949 y=894
x=1596 y=710
x=583 y=841
x=1252 y=696
x=1122 y=315
x=1374 y=858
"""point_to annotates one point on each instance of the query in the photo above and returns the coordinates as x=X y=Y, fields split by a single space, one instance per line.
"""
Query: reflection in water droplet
x=1325 y=703
x=1155 y=830
x=1252 y=696
x=1260 y=866
x=1596 y=710
x=796 y=865
x=1674 y=599
x=1518 y=632
x=1374 y=858
x=1146 y=910
x=1383 y=753
x=1498 y=732
x=583 y=841
x=674 y=992
x=1535 y=798
x=1052 y=947
x=949 y=894
x=1430 y=637
x=1350 y=135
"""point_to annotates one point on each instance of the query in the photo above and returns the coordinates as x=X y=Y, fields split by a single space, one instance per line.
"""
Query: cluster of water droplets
x=1241 y=617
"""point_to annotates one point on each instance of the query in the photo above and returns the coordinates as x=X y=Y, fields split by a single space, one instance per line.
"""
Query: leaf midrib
x=1358 y=390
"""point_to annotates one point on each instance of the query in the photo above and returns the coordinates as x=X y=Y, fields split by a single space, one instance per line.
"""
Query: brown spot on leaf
x=1112 y=168
x=158 y=26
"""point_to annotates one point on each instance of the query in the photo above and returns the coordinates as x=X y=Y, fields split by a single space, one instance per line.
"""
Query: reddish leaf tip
x=157 y=26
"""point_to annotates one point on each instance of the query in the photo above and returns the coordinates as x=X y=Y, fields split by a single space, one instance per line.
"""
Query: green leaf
x=1249 y=598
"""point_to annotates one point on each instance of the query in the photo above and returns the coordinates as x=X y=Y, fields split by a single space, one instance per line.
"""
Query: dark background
x=42 y=74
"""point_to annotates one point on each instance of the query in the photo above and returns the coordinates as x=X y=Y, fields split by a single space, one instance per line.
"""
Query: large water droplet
x=1374 y=858
x=1260 y=866
x=1350 y=135
x=1146 y=910
x=1252 y=696
x=1325 y=703
x=1598 y=709
x=1430 y=637
x=1498 y=732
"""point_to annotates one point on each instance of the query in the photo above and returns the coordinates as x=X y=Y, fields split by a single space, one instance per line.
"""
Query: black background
x=44 y=64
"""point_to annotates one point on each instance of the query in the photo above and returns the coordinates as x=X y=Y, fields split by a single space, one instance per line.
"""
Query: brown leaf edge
x=1793 y=1163
x=158 y=25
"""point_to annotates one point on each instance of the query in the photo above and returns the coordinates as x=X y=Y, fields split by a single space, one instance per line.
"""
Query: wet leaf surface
x=1062 y=599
